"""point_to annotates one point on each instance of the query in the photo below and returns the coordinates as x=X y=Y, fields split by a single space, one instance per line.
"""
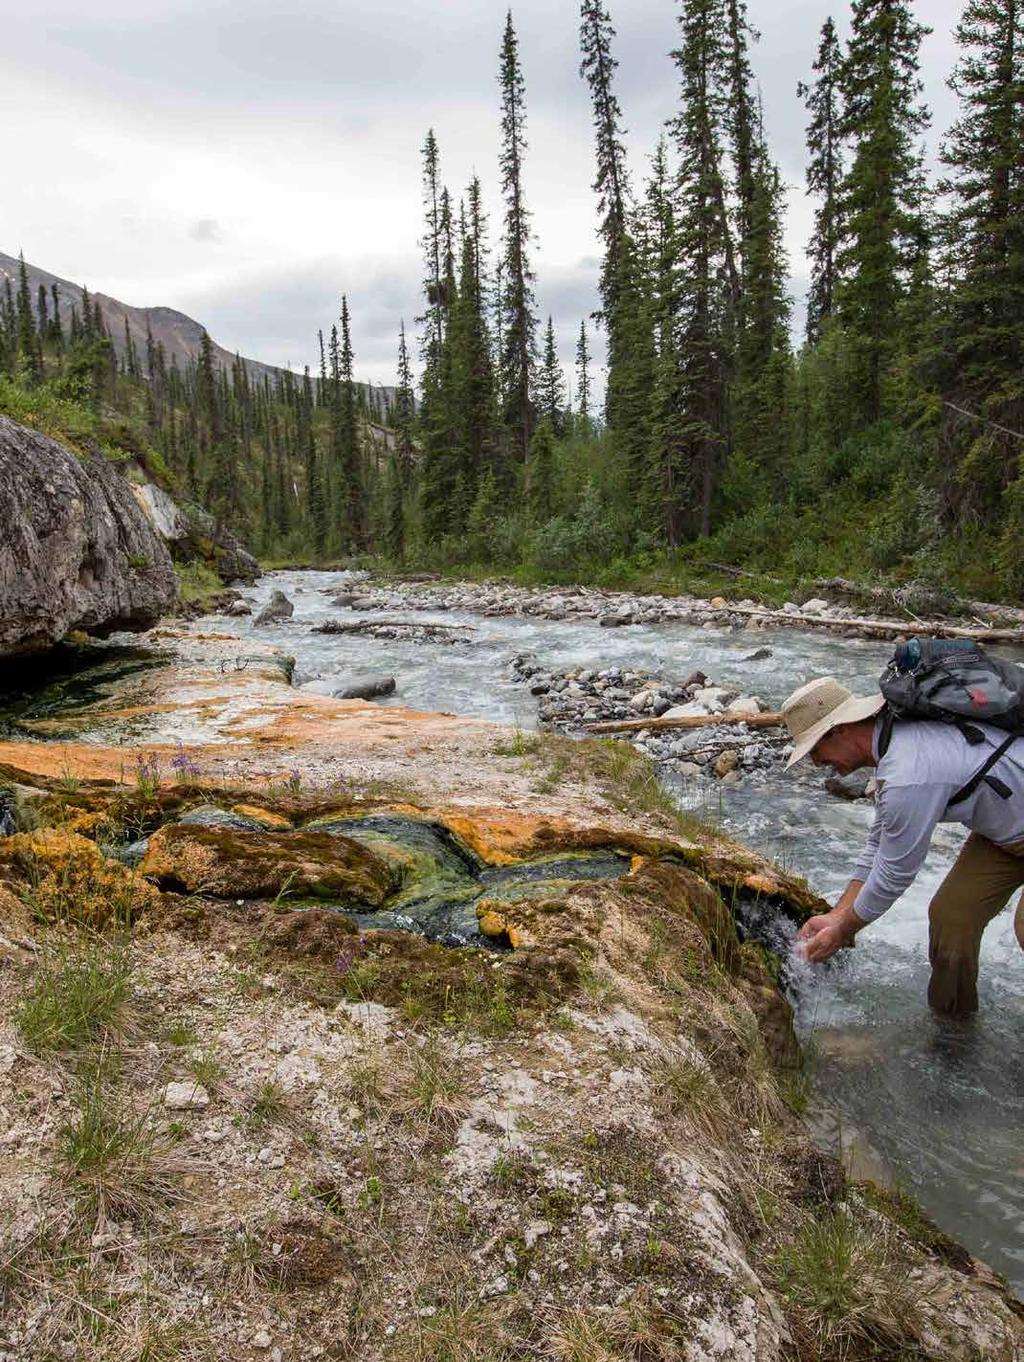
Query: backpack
x=955 y=681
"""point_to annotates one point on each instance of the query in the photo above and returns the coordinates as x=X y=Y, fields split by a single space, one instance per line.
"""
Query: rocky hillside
x=179 y=334
x=352 y=1032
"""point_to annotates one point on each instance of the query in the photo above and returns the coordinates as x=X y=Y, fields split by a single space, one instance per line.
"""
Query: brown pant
x=974 y=891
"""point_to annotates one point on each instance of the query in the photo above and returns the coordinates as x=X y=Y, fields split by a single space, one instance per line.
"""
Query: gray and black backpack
x=955 y=681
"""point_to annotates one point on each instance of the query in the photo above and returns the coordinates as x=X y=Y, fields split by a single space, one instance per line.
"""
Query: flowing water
x=935 y=1107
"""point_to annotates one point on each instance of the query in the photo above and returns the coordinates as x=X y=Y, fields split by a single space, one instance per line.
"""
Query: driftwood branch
x=372 y=626
x=890 y=629
x=731 y=571
x=691 y=721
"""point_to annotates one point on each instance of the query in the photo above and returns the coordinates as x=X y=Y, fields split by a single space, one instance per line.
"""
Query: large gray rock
x=193 y=534
x=278 y=608
x=76 y=549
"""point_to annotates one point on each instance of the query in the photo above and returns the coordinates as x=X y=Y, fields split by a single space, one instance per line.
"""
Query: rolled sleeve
x=905 y=820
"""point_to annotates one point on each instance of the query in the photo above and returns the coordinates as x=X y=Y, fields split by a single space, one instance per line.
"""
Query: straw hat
x=817 y=708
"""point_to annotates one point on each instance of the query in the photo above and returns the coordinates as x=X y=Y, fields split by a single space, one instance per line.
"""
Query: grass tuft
x=435 y=1089
x=844 y=1283
x=78 y=996
x=113 y=1155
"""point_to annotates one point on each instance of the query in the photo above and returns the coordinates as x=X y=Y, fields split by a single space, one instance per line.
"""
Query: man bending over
x=926 y=764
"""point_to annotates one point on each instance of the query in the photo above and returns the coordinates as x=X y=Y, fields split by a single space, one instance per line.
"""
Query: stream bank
x=577 y=1123
x=935 y=1112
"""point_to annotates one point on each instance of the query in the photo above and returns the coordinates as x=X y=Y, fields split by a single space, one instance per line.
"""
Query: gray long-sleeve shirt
x=924 y=767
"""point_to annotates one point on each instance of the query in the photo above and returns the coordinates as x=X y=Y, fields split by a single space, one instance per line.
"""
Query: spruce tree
x=760 y=386
x=520 y=322
x=433 y=253
x=42 y=314
x=350 y=503
x=663 y=489
x=708 y=276
x=540 y=472
x=983 y=230
x=823 y=100
x=741 y=115
x=551 y=399
x=316 y=505
x=583 y=382
x=631 y=360
x=983 y=262
x=394 y=524
x=471 y=371
x=28 y=336
x=56 y=329
x=9 y=326
x=220 y=490
x=611 y=184
x=883 y=226
x=403 y=415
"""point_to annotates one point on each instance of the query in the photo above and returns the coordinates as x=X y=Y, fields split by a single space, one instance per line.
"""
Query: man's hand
x=828 y=933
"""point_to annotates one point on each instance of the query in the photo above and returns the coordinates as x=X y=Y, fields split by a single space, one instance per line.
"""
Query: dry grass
x=434 y=1089
x=114 y=1156
x=847 y=1284
x=637 y=1331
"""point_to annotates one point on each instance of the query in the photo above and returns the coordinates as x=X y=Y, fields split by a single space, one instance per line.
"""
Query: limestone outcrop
x=193 y=535
x=76 y=550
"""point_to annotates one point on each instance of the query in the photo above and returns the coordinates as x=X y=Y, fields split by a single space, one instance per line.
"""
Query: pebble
x=262 y=1340
x=185 y=1097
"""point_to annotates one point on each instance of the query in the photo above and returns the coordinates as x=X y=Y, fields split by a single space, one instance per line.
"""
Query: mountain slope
x=179 y=334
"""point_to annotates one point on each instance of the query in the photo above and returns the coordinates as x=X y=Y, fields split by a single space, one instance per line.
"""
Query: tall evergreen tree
x=823 y=100
x=316 y=503
x=471 y=369
x=220 y=490
x=709 y=280
x=741 y=115
x=611 y=183
x=433 y=319
x=403 y=415
x=665 y=486
x=984 y=225
x=28 y=335
x=551 y=399
x=883 y=226
x=519 y=346
x=983 y=250
x=540 y=472
x=350 y=503
x=583 y=381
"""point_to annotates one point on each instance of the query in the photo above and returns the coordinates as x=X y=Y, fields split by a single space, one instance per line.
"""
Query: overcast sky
x=247 y=162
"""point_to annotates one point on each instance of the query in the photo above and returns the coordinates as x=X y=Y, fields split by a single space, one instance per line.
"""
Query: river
x=934 y=1107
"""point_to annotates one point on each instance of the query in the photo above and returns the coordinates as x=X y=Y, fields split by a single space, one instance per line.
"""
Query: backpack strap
x=885 y=732
x=982 y=774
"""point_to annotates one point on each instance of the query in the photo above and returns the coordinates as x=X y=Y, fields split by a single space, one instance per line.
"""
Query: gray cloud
x=293 y=134
x=206 y=229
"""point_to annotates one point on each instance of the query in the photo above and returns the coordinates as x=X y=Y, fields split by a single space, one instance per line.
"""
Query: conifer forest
x=885 y=441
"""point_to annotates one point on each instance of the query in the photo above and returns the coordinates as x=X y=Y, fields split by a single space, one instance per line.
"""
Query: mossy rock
x=63 y=877
x=227 y=863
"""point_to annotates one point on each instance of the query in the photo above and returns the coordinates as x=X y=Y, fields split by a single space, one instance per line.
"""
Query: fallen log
x=690 y=721
x=889 y=629
x=376 y=624
x=731 y=571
